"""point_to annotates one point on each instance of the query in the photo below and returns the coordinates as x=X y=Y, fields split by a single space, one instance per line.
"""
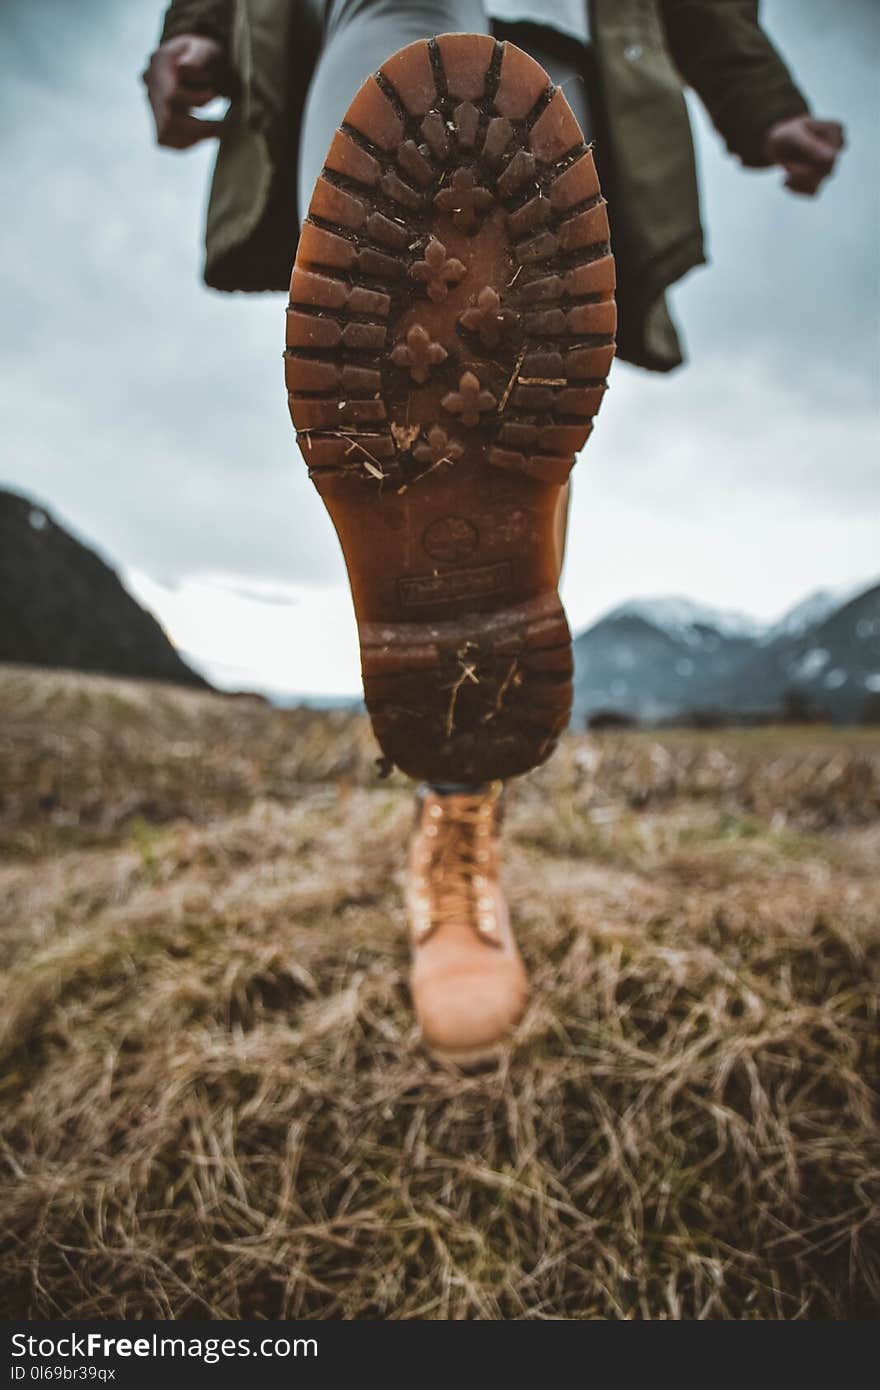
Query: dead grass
x=214 y=1101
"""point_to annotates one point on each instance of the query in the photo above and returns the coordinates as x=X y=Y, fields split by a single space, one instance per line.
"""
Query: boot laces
x=459 y=888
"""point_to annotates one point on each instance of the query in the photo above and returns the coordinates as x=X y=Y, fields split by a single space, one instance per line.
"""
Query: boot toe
x=462 y=1010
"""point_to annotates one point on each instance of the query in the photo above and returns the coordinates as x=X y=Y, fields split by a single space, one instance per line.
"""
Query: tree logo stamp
x=450 y=539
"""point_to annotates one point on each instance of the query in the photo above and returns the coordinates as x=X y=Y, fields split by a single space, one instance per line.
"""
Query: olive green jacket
x=644 y=51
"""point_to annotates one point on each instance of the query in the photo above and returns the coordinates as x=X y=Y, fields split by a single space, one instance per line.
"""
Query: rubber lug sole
x=450 y=330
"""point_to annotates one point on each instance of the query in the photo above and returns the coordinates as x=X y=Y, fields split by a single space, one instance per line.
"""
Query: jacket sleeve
x=722 y=52
x=211 y=18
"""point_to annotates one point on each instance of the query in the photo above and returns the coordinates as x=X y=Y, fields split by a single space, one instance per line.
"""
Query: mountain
x=654 y=658
x=687 y=620
x=658 y=659
x=834 y=662
x=811 y=611
x=61 y=605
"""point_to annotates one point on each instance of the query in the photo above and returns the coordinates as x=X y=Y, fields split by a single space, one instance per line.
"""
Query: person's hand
x=807 y=150
x=184 y=73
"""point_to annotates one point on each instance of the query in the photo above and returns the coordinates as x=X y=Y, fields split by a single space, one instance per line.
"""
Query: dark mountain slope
x=61 y=605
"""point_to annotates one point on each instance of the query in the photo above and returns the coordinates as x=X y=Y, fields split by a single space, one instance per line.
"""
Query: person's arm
x=722 y=52
x=188 y=69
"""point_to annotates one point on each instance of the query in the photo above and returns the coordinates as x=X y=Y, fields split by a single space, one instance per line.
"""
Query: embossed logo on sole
x=459 y=584
x=450 y=538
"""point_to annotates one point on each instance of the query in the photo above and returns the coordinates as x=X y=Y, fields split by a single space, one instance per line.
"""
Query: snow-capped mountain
x=686 y=619
x=834 y=662
x=811 y=611
x=653 y=658
x=662 y=658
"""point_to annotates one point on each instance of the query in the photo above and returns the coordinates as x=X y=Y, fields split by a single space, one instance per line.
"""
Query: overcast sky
x=149 y=414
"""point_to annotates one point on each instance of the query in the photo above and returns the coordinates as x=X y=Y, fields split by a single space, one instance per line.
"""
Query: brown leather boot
x=468 y=981
x=450 y=329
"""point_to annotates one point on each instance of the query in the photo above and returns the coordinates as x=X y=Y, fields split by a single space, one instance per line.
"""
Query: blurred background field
x=214 y=1101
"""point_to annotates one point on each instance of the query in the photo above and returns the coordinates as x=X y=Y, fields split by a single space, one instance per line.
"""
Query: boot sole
x=450 y=328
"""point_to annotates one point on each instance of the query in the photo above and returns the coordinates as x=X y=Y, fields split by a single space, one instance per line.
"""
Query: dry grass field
x=213 y=1099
